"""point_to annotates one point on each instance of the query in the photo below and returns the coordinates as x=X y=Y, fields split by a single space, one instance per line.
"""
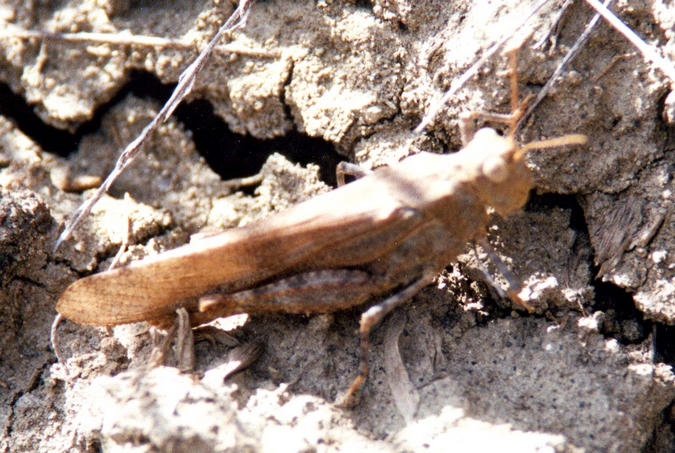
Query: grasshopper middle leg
x=369 y=320
x=319 y=292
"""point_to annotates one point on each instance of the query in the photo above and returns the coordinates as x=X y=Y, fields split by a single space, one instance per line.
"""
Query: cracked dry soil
x=590 y=370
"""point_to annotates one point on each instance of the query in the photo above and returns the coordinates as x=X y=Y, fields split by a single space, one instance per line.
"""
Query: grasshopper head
x=504 y=180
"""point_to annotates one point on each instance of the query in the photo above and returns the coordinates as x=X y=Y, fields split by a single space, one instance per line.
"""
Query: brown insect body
x=366 y=238
x=385 y=235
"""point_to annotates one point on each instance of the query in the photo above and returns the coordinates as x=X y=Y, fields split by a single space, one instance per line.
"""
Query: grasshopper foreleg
x=518 y=107
x=514 y=284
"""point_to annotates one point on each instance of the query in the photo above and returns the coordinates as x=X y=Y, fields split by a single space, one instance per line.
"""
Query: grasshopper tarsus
x=185 y=341
x=181 y=331
x=161 y=349
x=241 y=358
x=514 y=284
x=351 y=396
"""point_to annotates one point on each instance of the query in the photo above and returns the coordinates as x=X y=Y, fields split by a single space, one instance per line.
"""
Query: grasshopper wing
x=328 y=231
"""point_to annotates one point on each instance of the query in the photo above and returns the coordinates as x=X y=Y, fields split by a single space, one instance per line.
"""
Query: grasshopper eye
x=495 y=169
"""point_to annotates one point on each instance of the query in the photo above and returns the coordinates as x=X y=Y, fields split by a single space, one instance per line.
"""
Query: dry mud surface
x=319 y=81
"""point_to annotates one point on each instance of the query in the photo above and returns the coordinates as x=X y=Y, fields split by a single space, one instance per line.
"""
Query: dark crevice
x=282 y=94
x=545 y=202
x=233 y=155
x=363 y=4
x=623 y=321
x=29 y=282
x=93 y=445
x=229 y=154
x=663 y=435
x=609 y=296
x=664 y=347
x=51 y=139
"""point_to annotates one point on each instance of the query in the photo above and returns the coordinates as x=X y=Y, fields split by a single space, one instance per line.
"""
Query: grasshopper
x=384 y=235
